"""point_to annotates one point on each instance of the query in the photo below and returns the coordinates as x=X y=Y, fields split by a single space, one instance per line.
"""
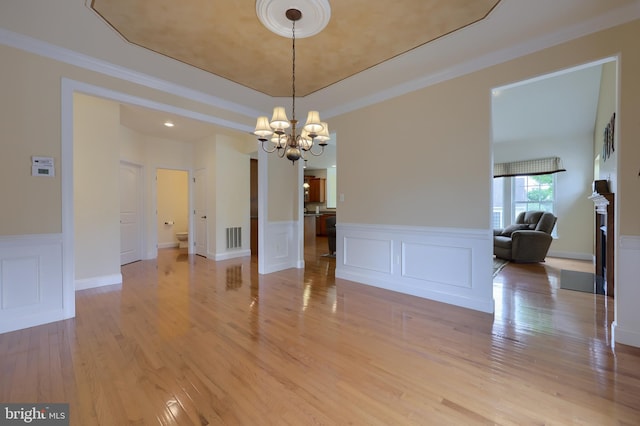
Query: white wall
x=573 y=208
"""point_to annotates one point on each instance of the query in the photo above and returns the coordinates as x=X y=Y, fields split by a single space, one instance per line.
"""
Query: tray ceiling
x=226 y=38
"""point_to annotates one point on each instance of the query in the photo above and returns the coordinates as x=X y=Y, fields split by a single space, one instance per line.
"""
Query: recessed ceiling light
x=168 y=123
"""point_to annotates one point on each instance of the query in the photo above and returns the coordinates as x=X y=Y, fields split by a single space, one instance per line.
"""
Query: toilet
x=183 y=239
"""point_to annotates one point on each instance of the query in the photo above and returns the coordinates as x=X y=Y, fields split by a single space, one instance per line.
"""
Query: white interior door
x=200 y=212
x=130 y=213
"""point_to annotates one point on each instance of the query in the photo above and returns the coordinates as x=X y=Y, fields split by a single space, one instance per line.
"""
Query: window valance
x=540 y=166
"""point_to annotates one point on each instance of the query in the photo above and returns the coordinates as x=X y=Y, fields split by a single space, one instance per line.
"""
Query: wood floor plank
x=189 y=341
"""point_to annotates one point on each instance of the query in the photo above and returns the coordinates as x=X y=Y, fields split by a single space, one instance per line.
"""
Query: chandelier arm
x=316 y=154
x=268 y=151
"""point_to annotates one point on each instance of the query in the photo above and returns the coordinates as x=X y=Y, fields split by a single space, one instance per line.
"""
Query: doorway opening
x=172 y=207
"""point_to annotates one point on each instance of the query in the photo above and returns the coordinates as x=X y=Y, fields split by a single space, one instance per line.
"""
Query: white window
x=533 y=193
x=517 y=194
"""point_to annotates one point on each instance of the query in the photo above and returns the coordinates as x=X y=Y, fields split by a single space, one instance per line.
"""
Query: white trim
x=232 y=255
x=426 y=230
x=104 y=280
x=29 y=239
x=571 y=255
x=113 y=95
x=626 y=328
x=624 y=336
x=66 y=188
x=449 y=265
x=168 y=245
x=280 y=247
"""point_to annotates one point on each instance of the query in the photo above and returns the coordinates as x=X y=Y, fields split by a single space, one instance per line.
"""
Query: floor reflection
x=233 y=277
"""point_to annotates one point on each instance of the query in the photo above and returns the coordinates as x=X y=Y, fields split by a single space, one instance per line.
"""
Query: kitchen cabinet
x=317 y=190
x=321 y=224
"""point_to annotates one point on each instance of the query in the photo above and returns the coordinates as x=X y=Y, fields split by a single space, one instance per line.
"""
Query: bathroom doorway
x=172 y=206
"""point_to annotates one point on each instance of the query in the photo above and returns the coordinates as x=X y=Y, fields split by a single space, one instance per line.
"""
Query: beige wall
x=32 y=85
x=232 y=190
x=30 y=123
x=607 y=105
x=96 y=190
x=283 y=189
x=422 y=159
x=172 y=205
x=431 y=148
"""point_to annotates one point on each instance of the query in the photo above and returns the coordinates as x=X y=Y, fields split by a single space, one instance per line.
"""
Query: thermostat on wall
x=42 y=166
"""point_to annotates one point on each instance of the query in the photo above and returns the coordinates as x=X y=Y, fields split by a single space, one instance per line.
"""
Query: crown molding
x=38 y=47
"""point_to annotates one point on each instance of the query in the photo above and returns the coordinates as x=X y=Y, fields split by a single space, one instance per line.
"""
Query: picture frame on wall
x=608 y=143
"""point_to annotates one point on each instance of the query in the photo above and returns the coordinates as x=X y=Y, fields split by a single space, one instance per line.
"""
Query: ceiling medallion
x=315 y=16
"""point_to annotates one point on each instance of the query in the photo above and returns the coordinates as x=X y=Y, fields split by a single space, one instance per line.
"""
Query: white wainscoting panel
x=432 y=262
x=444 y=264
x=31 y=281
x=369 y=254
x=281 y=248
x=626 y=327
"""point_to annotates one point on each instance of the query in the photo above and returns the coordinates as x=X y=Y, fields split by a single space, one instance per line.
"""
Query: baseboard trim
x=571 y=255
x=104 y=280
x=624 y=336
x=232 y=255
x=167 y=245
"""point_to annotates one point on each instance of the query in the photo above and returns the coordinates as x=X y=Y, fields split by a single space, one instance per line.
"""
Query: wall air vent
x=234 y=237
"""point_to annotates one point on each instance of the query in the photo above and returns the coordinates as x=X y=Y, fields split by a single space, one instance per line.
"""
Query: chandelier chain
x=293 y=72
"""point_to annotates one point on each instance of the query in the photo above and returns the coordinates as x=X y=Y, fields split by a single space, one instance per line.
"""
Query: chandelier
x=293 y=145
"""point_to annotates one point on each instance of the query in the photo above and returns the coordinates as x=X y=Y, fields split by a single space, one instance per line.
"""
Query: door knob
x=203 y=217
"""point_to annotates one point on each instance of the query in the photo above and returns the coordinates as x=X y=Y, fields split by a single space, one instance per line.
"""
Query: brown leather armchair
x=331 y=233
x=526 y=241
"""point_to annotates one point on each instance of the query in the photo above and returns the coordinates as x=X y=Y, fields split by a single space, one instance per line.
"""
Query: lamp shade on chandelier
x=282 y=135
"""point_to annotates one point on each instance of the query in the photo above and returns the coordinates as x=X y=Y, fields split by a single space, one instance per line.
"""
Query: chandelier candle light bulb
x=292 y=145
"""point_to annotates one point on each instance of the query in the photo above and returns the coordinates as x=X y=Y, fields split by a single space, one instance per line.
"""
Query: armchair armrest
x=530 y=246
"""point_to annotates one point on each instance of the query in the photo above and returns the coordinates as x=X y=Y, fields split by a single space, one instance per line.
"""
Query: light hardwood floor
x=190 y=341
